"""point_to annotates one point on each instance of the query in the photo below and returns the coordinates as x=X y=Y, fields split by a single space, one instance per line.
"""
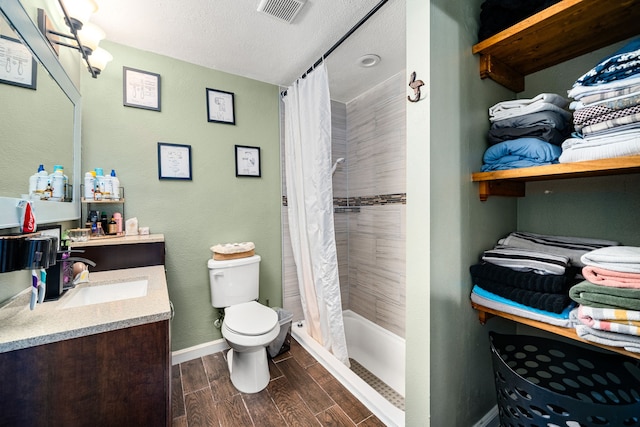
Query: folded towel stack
x=526 y=132
x=607 y=109
x=609 y=298
x=534 y=272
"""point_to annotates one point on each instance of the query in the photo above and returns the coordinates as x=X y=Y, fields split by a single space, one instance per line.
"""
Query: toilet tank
x=234 y=281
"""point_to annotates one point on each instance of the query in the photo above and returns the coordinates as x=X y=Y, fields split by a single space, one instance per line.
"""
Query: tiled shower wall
x=369 y=132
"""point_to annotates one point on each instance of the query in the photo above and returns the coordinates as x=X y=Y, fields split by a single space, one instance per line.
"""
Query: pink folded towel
x=617 y=279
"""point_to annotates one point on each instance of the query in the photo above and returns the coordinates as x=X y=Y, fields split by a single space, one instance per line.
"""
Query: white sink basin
x=99 y=294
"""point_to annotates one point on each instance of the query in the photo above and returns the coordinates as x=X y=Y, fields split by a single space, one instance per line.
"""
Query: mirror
x=40 y=126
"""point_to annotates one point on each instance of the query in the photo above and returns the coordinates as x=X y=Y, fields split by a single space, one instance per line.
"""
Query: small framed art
x=220 y=108
x=141 y=89
x=17 y=65
x=248 y=161
x=174 y=161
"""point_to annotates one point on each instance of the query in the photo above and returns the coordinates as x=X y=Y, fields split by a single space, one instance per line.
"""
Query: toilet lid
x=250 y=318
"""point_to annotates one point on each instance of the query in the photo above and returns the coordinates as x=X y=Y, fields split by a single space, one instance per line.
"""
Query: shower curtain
x=310 y=208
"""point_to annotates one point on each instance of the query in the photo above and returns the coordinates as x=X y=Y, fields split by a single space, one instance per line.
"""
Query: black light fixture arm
x=74 y=30
x=67 y=36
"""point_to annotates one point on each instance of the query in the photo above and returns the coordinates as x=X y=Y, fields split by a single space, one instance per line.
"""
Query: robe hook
x=415 y=85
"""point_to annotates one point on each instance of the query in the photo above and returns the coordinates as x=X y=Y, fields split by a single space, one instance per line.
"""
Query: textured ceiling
x=232 y=36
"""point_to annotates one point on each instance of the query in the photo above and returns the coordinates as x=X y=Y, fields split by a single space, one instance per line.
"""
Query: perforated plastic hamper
x=543 y=382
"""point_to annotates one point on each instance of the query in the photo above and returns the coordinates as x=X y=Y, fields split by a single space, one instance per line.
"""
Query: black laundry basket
x=543 y=382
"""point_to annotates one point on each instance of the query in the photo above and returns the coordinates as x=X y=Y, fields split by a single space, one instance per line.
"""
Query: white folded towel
x=518 y=107
x=624 y=259
x=232 y=248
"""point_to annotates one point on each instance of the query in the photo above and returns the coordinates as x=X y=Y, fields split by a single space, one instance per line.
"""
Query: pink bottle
x=117 y=217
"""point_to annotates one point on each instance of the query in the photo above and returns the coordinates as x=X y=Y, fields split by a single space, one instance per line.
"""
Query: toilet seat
x=250 y=318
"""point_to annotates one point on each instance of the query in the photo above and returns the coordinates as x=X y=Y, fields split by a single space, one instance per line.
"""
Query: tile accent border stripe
x=379 y=199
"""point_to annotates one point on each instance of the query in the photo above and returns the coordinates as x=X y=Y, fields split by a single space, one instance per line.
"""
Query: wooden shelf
x=561 y=32
x=104 y=201
x=485 y=313
x=512 y=182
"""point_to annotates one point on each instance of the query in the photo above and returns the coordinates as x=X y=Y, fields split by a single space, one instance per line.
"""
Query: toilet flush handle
x=218 y=273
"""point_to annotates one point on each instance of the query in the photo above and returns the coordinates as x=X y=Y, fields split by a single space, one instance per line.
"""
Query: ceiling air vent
x=285 y=10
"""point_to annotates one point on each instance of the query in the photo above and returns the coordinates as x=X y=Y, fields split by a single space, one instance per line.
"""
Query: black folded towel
x=544 y=292
x=526 y=280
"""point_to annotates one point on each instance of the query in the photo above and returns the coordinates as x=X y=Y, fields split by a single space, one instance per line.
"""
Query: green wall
x=461 y=225
x=216 y=206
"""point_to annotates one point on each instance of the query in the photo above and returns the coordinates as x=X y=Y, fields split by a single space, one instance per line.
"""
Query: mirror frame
x=46 y=212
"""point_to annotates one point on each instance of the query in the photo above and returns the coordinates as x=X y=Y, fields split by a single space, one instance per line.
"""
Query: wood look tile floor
x=301 y=393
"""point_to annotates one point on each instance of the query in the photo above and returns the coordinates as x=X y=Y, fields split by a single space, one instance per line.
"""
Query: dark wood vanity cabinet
x=116 y=378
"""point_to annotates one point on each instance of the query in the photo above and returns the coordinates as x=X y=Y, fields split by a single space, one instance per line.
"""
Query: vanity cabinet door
x=116 y=378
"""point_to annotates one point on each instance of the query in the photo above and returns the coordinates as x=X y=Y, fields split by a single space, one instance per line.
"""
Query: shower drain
x=377 y=384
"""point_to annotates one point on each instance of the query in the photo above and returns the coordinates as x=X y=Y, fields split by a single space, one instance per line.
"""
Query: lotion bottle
x=115 y=186
x=36 y=184
x=89 y=186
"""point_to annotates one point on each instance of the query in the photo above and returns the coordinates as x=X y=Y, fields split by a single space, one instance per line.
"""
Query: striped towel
x=522 y=259
x=610 y=319
x=572 y=247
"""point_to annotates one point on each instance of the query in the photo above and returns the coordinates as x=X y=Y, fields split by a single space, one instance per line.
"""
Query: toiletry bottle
x=101 y=184
x=112 y=227
x=94 y=216
x=97 y=194
x=33 y=182
x=89 y=186
x=99 y=229
x=65 y=185
x=115 y=185
x=58 y=183
x=48 y=191
x=41 y=183
x=105 y=221
x=117 y=216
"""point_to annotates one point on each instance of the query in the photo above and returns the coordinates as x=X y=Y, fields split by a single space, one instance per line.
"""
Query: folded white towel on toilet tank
x=233 y=248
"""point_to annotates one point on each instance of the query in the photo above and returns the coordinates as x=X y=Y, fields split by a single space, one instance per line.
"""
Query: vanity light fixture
x=84 y=36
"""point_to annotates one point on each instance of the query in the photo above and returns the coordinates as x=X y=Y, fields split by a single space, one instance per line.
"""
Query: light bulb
x=79 y=11
x=90 y=36
x=99 y=59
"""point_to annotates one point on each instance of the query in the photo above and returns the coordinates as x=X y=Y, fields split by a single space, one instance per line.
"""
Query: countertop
x=50 y=322
x=123 y=240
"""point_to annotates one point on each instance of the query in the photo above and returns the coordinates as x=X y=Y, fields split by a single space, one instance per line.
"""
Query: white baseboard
x=490 y=419
x=200 y=350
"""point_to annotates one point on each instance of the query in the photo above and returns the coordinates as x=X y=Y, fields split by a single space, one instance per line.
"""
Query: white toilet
x=248 y=326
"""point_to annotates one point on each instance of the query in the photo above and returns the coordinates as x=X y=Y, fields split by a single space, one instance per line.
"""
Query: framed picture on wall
x=248 y=161
x=220 y=108
x=174 y=161
x=17 y=65
x=141 y=89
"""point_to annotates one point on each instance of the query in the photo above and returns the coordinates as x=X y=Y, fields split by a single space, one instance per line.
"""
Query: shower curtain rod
x=343 y=38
